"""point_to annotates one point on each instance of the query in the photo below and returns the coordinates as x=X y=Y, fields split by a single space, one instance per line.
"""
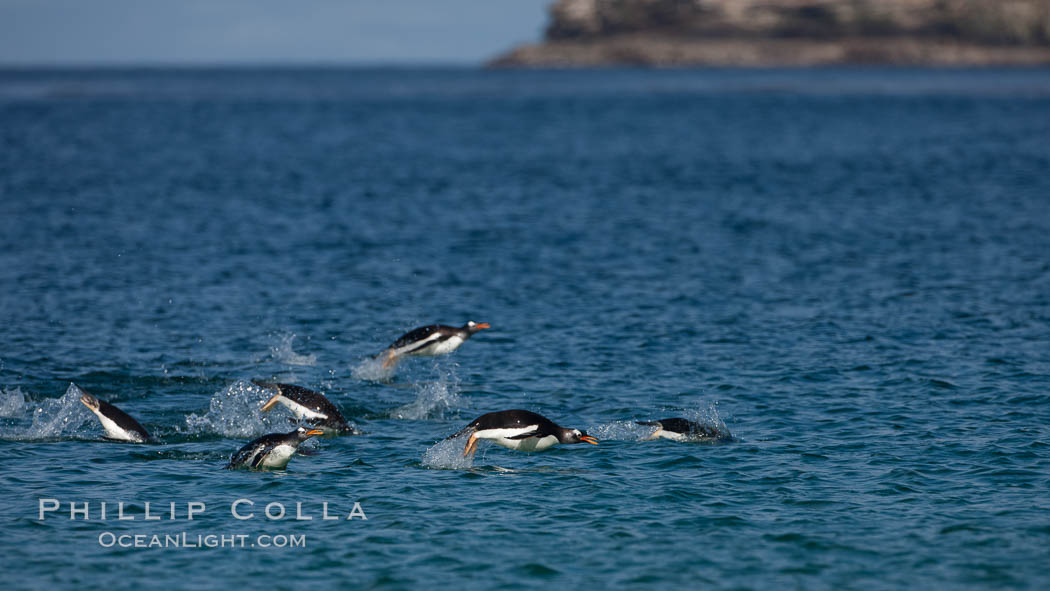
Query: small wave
x=447 y=454
x=284 y=353
x=235 y=412
x=433 y=399
x=12 y=403
x=179 y=454
x=371 y=370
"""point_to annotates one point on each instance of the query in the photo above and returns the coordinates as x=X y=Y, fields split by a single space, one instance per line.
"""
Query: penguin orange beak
x=589 y=439
x=271 y=402
x=313 y=432
x=482 y=325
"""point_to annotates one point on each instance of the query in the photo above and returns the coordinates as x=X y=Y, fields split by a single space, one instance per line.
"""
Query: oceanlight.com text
x=187 y=540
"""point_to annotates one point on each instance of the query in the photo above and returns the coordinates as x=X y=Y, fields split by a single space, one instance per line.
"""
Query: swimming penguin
x=679 y=429
x=427 y=341
x=118 y=425
x=271 y=451
x=307 y=405
x=519 y=429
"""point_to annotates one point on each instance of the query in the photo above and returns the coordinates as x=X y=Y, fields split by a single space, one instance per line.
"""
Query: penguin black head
x=473 y=327
x=303 y=433
x=576 y=436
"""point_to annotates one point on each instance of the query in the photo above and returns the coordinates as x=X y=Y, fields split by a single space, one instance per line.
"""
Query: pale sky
x=84 y=32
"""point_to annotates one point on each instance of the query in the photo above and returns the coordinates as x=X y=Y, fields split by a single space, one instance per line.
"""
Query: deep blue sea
x=847 y=269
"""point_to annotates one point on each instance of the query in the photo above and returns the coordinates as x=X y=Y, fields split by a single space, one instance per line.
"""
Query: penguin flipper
x=259 y=457
x=533 y=433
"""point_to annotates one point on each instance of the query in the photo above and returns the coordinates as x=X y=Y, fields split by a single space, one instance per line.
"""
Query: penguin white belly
x=278 y=457
x=415 y=347
x=529 y=444
x=301 y=412
x=504 y=432
x=439 y=347
x=673 y=436
x=502 y=437
x=115 y=431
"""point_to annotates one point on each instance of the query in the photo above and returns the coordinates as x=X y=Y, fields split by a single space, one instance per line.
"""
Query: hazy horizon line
x=240 y=63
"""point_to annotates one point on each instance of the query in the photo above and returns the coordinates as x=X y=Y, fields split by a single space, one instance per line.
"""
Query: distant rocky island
x=674 y=33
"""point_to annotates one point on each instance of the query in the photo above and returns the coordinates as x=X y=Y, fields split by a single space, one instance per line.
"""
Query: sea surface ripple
x=850 y=269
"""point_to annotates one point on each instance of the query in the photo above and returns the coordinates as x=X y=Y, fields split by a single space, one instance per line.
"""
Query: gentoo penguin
x=679 y=429
x=118 y=425
x=307 y=405
x=519 y=429
x=427 y=341
x=271 y=451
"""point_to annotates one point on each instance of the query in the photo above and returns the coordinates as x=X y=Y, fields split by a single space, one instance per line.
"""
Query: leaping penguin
x=679 y=429
x=428 y=341
x=118 y=424
x=307 y=405
x=271 y=451
x=519 y=429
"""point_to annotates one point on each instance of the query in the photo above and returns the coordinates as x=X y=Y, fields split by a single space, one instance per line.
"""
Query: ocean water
x=847 y=269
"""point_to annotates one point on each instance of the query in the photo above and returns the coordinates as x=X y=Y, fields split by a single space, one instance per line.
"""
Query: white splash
x=621 y=431
x=235 y=412
x=708 y=416
x=433 y=399
x=371 y=370
x=284 y=353
x=12 y=403
x=58 y=417
x=632 y=431
x=447 y=454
